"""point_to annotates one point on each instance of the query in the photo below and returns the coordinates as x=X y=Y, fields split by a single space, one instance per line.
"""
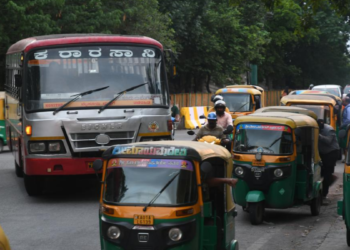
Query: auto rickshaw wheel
x=316 y=204
x=1 y=146
x=33 y=184
x=348 y=236
x=256 y=212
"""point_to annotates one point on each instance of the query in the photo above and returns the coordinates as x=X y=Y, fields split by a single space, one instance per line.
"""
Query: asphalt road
x=66 y=217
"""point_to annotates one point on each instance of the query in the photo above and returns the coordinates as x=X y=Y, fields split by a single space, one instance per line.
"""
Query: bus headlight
x=113 y=232
x=239 y=171
x=278 y=172
x=175 y=234
x=54 y=147
x=37 y=147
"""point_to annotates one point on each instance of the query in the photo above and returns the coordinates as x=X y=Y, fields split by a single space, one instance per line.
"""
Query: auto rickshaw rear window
x=322 y=111
x=272 y=139
x=137 y=181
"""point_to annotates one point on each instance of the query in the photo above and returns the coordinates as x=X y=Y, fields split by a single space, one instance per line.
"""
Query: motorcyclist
x=224 y=119
x=211 y=128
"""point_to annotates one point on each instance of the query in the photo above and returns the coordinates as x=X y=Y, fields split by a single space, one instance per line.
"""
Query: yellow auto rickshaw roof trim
x=289 y=109
x=246 y=86
x=283 y=118
x=308 y=99
x=250 y=91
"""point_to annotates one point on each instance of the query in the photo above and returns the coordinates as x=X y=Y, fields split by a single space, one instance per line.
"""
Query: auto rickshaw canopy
x=292 y=120
x=309 y=99
x=246 y=86
x=289 y=109
x=196 y=151
x=235 y=90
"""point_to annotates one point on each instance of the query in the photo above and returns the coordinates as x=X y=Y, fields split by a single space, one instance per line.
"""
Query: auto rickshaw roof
x=250 y=91
x=246 y=86
x=196 y=150
x=289 y=109
x=320 y=93
x=292 y=120
x=308 y=99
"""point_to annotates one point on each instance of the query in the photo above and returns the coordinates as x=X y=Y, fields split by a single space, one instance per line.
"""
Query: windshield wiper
x=77 y=96
x=239 y=109
x=275 y=141
x=160 y=192
x=120 y=94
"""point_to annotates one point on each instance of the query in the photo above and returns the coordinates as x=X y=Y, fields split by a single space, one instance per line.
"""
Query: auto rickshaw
x=155 y=196
x=344 y=205
x=3 y=138
x=242 y=99
x=288 y=109
x=276 y=159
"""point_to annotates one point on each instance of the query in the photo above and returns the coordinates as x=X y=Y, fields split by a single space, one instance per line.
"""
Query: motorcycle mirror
x=342 y=133
x=206 y=170
x=97 y=165
x=228 y=130
x=190 y=132
x=202 y=117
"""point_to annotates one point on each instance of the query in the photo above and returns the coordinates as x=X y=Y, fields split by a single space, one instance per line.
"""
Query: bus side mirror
x=18 y=80
x=97 y=165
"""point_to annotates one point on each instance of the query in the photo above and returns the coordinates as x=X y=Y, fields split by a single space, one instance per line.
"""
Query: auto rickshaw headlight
x=113 y=232
x=278 y=172
x=175 y=234
x=239 y=171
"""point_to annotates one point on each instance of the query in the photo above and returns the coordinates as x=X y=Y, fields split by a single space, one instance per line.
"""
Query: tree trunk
x=207 y=83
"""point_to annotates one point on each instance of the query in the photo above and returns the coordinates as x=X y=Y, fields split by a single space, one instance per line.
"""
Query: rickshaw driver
x=328 y=147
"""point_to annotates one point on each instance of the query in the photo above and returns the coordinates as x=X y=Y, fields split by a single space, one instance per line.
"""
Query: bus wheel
x=19 y=170
x=1 y=146
x=33 y=184
x=348 y=236
x=316 y=204
x=256 y=213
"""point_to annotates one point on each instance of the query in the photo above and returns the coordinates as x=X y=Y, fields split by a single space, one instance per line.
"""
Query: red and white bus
x=69 y=97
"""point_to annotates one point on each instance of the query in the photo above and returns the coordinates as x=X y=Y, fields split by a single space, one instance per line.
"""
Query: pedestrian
x=175 y=113
x=328 y=148
x=285 y=92
x=345 y=123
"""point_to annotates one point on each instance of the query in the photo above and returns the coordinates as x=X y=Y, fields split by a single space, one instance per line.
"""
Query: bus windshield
x=126 y=183
x=322 y=111
x=55 y=75
x=238 y=102
x=263 y=138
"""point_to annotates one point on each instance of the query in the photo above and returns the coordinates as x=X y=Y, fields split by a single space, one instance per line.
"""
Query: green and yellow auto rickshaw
x=155 y=196
x=277 y=162
x=3 y=139
x=242 y=99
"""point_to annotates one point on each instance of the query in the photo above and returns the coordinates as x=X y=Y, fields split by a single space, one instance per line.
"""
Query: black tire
x=1 y=146
x=256 y=213
x=33 y=184
x=315 y=205
x=348 y=236
x=19 y=170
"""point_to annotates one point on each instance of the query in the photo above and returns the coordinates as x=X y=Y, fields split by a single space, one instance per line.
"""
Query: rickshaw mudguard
x=346 y=199
x=234 y=245
x=240 y=192
x=255 y=196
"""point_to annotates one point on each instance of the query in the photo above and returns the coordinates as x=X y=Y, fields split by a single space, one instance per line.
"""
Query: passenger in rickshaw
x=328 y=147
x=345 y=123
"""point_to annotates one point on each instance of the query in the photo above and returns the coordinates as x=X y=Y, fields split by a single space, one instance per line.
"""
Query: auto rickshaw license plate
x=143 y=219
x=258 y=163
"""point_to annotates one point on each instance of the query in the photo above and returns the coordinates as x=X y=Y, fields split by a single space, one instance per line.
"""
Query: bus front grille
x=88 y=140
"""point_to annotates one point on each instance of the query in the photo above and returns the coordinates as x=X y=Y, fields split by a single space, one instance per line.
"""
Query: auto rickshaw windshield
x=238 y=102
x=263 y=138
x=138 y=181
x=322 y=111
